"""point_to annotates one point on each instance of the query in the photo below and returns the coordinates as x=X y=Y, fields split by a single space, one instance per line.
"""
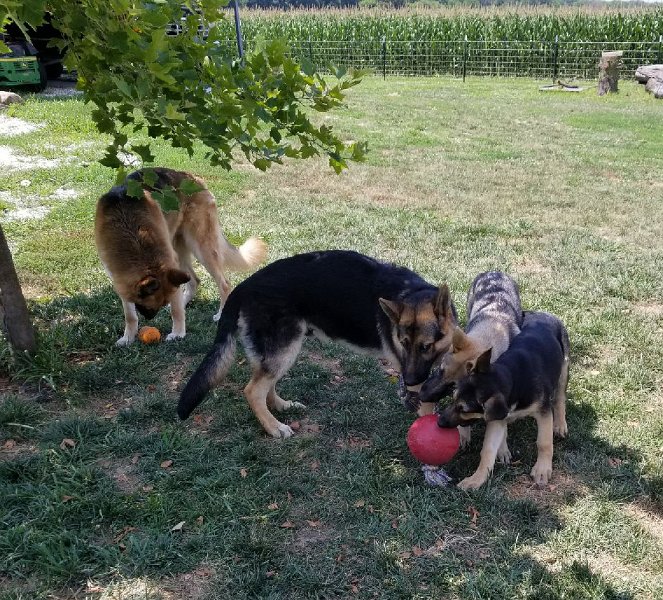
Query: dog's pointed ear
x=392 y=309
x=177 y=276
x=495 y=408
x=443 y=303
x=482 y=365
x=147 y=286
x=458 y=340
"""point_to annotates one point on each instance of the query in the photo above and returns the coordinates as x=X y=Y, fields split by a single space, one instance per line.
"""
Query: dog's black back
x=335 y=291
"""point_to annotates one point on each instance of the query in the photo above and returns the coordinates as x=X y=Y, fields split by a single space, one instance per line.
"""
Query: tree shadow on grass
x=401 y=537
x=76 y=346
x=590 y=475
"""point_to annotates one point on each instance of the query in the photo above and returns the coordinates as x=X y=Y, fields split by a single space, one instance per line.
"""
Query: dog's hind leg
x=186 y=264
x=211 y=259
x=261 y=390
x=560 y=427
x=210 y=254
x=279 y=404
x=256 y=395
x=542 y=470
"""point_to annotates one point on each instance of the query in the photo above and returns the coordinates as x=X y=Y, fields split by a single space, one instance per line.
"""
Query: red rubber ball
x=431 y=444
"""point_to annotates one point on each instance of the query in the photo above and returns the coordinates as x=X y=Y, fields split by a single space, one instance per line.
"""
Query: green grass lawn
x=563 y=191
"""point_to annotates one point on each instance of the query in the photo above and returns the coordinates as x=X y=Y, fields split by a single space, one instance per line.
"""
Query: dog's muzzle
x=148 y=313
x=434 y=388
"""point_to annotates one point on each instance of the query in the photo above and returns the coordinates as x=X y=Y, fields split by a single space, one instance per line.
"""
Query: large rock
x=7 y=98
x=652 y=77
x=645 y=72
x=655 y=86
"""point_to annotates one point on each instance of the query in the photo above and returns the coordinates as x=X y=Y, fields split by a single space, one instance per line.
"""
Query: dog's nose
x=435 y=387
x=442 y=421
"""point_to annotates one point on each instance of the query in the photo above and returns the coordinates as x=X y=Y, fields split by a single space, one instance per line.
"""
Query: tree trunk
x=14 y=317
x=609 y=71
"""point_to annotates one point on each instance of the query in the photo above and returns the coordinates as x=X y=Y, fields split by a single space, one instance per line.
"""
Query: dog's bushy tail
x=250 y=254
x=564 y=341
x=215 y=365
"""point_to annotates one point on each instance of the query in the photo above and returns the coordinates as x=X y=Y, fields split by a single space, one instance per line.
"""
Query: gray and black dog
x=494 y=319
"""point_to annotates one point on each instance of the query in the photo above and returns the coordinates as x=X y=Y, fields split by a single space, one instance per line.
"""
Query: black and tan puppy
x=148 y=253
x=494 y=319
x=529 y=379
x=371 y=306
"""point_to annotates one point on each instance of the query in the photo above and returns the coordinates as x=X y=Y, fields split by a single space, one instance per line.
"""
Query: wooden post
x=609 y=71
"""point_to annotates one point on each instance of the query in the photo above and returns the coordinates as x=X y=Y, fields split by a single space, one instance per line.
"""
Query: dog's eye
x=405 y=342
x=426 y=347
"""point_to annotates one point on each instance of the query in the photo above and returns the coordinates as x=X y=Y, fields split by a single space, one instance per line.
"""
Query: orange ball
x=149 y=335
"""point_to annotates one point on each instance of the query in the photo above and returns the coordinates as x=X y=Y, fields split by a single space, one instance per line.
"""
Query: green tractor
x=21 y=67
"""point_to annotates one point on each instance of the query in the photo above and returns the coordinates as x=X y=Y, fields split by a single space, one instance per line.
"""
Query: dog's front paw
x=172 y=336
x=474 y=482
x=124 y=341
x=283 y=432
x=542 y=472
x=560 y=429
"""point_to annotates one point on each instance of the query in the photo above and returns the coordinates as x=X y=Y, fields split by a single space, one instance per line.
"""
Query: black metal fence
x=460 y=58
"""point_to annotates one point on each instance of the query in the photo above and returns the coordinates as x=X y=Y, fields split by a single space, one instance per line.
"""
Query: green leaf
x=144 y=151
x=167 y=199
x=110 y=159
x=150 y=177
x=275 y=134
x=188 y=187
x=262 y=163
x=134 y=188
x=120 y=176
x=173 y=114
x=122 y=85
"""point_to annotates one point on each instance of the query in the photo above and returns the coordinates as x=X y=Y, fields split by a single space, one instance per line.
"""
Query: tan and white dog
x=148 y=253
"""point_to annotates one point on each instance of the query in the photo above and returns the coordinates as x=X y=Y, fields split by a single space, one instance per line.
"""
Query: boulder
x=644 y=72
x=7 y=98
x=652 y=77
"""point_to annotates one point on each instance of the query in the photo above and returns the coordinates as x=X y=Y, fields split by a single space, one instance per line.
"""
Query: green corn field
x=532 y=41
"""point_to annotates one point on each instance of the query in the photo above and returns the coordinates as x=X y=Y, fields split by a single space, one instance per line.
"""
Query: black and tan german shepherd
x=494 y=317
x=529 y=379
x=371 y=306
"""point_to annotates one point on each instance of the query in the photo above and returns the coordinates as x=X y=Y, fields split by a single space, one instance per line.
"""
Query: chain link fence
x=460 y=58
